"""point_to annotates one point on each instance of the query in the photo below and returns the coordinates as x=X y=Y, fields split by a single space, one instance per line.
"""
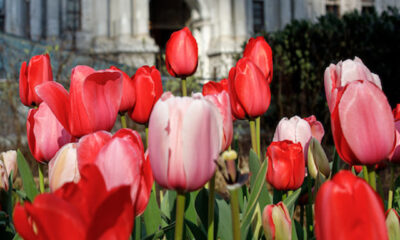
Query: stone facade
x=125 y=30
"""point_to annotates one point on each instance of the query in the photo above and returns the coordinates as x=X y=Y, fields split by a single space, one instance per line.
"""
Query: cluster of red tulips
x=101 y=184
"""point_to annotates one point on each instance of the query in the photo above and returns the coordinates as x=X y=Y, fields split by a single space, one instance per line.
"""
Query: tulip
x=258 y=50
x=317 y=129
x=223 y=104
x=339 y=75
x=215 y=87
x=362 y=124
x=83 y=210
x=395 y=154
x=3 y=176
x=296 y=130
x=148 y=89
x=181 y=54
x=10 y=161
x=248 y=90
x=102 y=149
x=184 y=141
x=277 y=222
x=346 y=207
x=38 y=71
x=393 y=224
x=286 y=167
x=128 y=92
x=63 y=167
x=45 y=133
x=92 y=103
x=317 y=161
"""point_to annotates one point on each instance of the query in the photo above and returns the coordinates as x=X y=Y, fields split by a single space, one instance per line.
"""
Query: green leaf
x=190 y=210
x=27 y=178
x=197 y=232
x=201 y=205
x=225 y=220
x=255 y=193
x=291 y=200
x=265 y=197
x=336 y=163
x=152 y=215
x=169 y=229
x=17 y=237
x=168 y=204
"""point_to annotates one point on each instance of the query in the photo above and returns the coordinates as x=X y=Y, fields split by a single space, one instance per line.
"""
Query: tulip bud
x=3 y=176
x=10 y=161
x=63 y=167
x=393 y=224
x=181 y=54
x=317 y=160
x=276 y=222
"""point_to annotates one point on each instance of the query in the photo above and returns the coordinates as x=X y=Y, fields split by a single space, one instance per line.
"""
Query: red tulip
x=181 y=54
x=258 y=50
x=317 y=129
x=148 y=89
x=362 y=124
x=346 y=207
x=37 y=72
x=286 y=166
x=45 y=133
x=92 y=103
x=215 y=87
x=184 y=141
x=128 y=92
x=86 y=210
x=339 y=75
x=395 y=154
x=221 y=101
x=276 y=221
x=102 y=149
x=248 y=90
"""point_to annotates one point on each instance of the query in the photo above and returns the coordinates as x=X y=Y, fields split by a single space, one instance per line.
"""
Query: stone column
x=240 y=19
x=102 y=14
x=286 y=12
x=36 y=15
x=141 y=18
x=123 y=23
x=53 y=19
x=85 y=34
x=15 y=17
x=225 y=18
x=272 y=15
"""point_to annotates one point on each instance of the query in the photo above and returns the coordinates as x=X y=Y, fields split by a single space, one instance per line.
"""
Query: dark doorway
x=166 y=17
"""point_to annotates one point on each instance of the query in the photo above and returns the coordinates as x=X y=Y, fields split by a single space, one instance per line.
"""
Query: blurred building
x=134 y=32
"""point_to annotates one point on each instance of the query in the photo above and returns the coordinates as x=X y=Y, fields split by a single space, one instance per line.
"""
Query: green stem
x=253 y=136
x=258 y=137
x=138 y=228
x=184 y=91
x=390 y=198
x=235 y=214
x=147 y=136
x=123 y=121
x=211 y=197
x=365 y=173
x=180 y=211
x=372 y=178
x=41 y=178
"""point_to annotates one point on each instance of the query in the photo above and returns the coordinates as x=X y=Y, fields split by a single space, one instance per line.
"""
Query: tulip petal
x=362 y=109
x=90 y=145
x=146 y=183
x=102 y=93
x=22 y=223
x=23 y=85
x=57 y=98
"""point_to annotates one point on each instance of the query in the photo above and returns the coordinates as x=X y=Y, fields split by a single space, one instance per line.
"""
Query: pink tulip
x=296 y=130
x=121 y=160
x=45 y=133
x=362 y=124
x=63 y=167
x=223 y=104
x=317 y=129
x=184 y=141
x=339 y=75
x=128 y=91
x=395 y=154
x=92 y=103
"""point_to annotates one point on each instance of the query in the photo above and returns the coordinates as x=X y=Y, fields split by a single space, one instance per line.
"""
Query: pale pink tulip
x=221 y=100
x=296 y=130
x=339 y=75
x=362 y=124
x=184 y=141
x=63 y=167
x=317 y=129
x=10 y=161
